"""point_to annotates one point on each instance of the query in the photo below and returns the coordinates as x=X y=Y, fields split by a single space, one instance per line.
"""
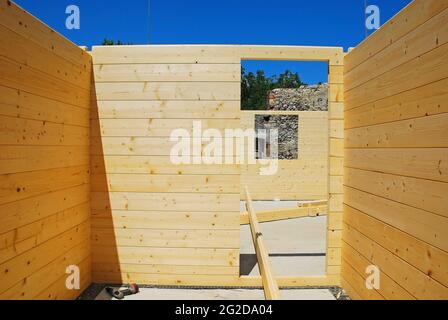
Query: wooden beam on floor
x=290 y=281
x=270 y=286
x=311 y=209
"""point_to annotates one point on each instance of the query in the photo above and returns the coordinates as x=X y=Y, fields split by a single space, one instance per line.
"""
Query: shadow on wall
x=105 y=261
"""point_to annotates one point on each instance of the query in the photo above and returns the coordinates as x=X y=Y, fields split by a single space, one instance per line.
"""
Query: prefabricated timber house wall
x=396 y=157
x=45 y=85
x=156 y=222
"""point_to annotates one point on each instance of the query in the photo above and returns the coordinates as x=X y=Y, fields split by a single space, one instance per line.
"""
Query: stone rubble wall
x=305 y=98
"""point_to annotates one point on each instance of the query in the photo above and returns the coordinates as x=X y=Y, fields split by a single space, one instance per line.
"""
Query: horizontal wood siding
x=155 y=222
x=45 y=85
x=396 y=155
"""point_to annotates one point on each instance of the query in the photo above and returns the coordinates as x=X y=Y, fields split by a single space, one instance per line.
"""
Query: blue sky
x=280 y=22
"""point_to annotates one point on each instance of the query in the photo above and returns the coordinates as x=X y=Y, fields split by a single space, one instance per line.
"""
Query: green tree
x=288 y=80
x=110 y=42
x=255 y=87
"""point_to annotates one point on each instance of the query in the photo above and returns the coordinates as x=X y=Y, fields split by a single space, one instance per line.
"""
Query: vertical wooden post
x=335 y=163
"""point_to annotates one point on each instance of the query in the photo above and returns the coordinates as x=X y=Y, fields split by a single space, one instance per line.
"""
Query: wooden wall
x=158 y=223
x=153 y=221
x=44 y=159
x=396 y=157
x=304 y=178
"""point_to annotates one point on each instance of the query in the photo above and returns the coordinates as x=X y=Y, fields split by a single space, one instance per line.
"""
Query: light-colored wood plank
x=145 y=54
x=285 y=214
x=167 y=72
x=425 y=163
x=336 y=166
x=213 y=54
x=166 y=183
x=15 y=159
x=165 y=220
x=336 y=74
x=166 y=201
x=18 y=186
x=334 y=220
x=270 y=286
x=149 y=146
x=336 y=110
x=420 y=193
x=153 y=238
x=337 y=129
x=215 y=91
x=335 y=93
x=145 y=109
x=16 y=131
x=170 y=256
x=333 y=257
x=158 y=127
x=164 y=270
x=336 y=148
x=20 y=213
x=334 y=239
x=335 y=202
x=426 y=132
x=155 y=165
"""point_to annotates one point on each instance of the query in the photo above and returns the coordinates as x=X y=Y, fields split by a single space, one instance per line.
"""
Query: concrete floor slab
x=221 y=294
x=296 y=246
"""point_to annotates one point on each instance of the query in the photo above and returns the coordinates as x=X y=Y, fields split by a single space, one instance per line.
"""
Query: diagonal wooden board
x=270 y=286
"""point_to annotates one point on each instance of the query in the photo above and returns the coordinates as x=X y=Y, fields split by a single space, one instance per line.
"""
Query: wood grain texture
x=45 y=83
x=179 y=220
x=396 y=153
x=270 y=286
x=142 y=93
